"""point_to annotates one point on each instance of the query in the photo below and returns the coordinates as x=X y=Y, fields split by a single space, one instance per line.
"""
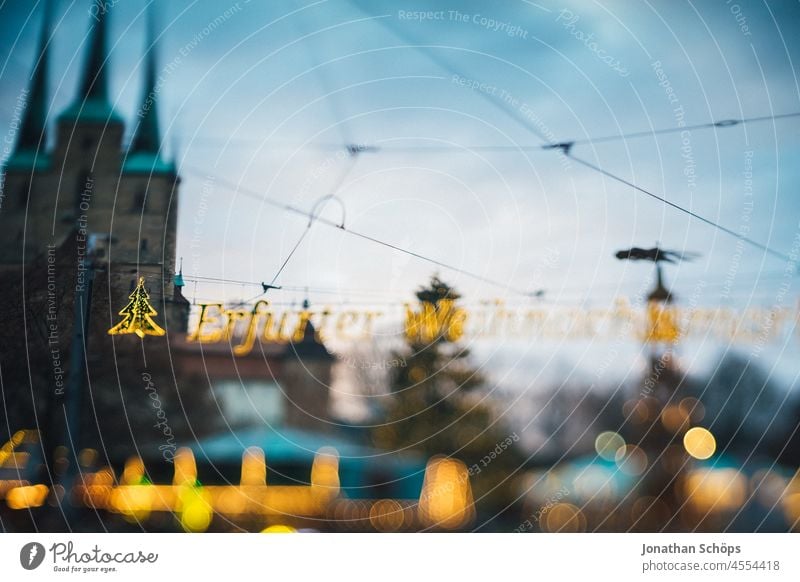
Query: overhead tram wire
x=332 y=97
x=721 y=124
x=724 y=123
x=694 y=215
x=381 y=294
x=327 y=222
x=566 y=147
x=564 y=297
x=312 y=217
x=328 y=290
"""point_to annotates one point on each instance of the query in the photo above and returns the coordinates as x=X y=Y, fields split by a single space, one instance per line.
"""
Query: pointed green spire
x=146 y=138
x=94 y=84
x=92 y=102
x=144 y=153
x=33 y=129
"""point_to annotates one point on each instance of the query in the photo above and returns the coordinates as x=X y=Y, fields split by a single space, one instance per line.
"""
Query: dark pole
x=77 y=374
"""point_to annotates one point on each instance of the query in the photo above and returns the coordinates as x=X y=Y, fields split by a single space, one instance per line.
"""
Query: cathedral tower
x=119 y=203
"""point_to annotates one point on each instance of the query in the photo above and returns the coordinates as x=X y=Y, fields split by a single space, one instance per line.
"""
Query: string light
x=138 y=315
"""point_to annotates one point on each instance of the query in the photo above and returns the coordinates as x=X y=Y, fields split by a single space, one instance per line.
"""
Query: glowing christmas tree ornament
x=138 y=315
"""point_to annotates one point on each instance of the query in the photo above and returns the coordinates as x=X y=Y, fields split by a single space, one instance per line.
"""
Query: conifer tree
x=437 y=404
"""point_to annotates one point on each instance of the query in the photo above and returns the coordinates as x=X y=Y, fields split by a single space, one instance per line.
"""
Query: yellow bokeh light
x=325 y=471
x=791 y=508
x=195 y=509
x=254 y=467
x=133 y=501
x=133 y=472
x=607 y=444
x=27 y=496
x=231 y=500
x=279 y=529
x=699 y=443
x=662 y=322
x=446 y=497
x=185 y=468
x=196 y=517
x=716 y=489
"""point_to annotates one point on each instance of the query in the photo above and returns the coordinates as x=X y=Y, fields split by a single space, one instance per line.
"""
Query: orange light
x=446 y=498
x=791 y=508
x=279 y=529
x=6 y=450
x=254 y=467
x=27 y=496
x=716 y=489
x=699 y=443
x=195 y=509
x=325 y=471
x=185 y=468
x=133 y=501
x=662 y=323
x=133 y=472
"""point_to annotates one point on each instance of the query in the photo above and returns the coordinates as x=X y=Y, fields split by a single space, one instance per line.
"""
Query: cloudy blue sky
x=265 y=95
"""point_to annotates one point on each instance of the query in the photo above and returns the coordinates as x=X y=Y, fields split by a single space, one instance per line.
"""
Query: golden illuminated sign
x=243 y=328
x=662 y=323
x=651 y=323
x=442 y=320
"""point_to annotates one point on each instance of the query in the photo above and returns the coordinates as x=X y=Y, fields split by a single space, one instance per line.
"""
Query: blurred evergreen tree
x=438 y=405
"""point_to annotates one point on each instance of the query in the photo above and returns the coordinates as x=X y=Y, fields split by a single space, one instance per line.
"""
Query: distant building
x=276 y=384
x=90 y=197
x=89 y=183
x=261 y=420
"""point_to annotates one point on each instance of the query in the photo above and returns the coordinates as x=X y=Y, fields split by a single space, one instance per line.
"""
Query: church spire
x=94 y=82
x=92 y=102
x=145 y=154
x=146 y=138
x=34 y=123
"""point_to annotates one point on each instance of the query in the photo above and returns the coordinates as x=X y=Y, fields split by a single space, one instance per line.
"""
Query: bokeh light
x=715 y=490
x=279 y=529
x=631 y=460
x=607 y=444
x=386 y=515
x=565 y=518
x=699 y=443
x=675 y=418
